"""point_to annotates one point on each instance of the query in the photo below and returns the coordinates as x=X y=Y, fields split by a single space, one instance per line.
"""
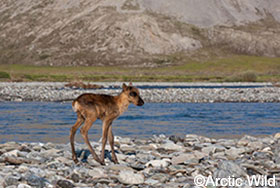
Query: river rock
x=22 y=185
x=119 y=167
x=75 y=177
x=246 y=140
x=158 y=163
x=262 y=155
x=171 y=146
x=34 y=180
x=126 y=149
x=184 y=158
x=64 y=160
x=161 y=177
x=12 y=180
x=65 y=184
x=145 y=157
x=13 y=153
x=137 y=166
x=148 y=147
x=234 y=153
x=146 y=168
x=229 y=169
x=130 y=178
x=126 y=140
x=256 y=145
x=97 y=173
x=151 y=181
x=51 y=153
x=277 y=136
x=199 y=155
x=208 y=150
x=39 y=172
x=9 y=146
x=176 y=139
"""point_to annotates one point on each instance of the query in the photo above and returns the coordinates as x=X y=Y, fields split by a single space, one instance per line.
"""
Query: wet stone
x=21 y=185
x=159 y=163
x=171 y=146
x=12 y=180
x=34 y=180
x=137 y=166
x=229 y=169
x=65 y=184
x=183 y=158
x=261 y=155
x=176 y=139
x=96 y=173
x=131 y=178
x=160 y=177
x=129 y=150
x=75 y=178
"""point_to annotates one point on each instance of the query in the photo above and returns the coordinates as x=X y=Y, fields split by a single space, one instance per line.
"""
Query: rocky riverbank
x=59 y=92
x=156 y=162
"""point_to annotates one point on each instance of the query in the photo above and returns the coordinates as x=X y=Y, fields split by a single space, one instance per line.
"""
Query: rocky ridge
x=134 y=32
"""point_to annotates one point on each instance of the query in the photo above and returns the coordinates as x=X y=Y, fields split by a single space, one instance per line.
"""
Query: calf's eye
x=133 y=94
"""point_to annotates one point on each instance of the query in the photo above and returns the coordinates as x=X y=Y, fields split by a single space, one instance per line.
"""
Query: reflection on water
x=51 y=122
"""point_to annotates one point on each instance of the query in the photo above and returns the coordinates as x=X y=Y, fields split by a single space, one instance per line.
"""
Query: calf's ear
x=124 y=86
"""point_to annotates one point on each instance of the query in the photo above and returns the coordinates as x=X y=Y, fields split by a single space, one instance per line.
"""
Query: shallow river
x=51 y=122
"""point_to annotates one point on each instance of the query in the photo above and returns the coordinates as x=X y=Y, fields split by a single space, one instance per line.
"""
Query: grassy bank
x=233 y=68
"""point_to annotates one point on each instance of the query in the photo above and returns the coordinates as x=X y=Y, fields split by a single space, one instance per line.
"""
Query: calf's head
x=132 y=94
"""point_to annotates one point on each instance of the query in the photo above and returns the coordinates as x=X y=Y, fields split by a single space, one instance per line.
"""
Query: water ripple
x=47 y=121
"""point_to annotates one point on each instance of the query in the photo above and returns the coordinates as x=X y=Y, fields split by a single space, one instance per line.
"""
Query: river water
x=51 y=122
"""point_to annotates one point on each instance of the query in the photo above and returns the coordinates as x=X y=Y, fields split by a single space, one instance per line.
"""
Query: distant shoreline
x=166 y=92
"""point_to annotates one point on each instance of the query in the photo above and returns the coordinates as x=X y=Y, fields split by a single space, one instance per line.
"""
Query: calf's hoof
x=115 y=161
x=75 y=160
x=99 y=161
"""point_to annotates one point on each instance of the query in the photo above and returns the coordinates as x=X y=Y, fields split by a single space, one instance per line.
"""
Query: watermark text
x=255 y=180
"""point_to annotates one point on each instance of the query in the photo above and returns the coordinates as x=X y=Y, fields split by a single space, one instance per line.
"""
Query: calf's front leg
x=105 y=128
x=73 y=131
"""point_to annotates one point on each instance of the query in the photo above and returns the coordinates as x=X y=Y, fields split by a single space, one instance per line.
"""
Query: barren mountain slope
x=131 y=32
x=207 y=13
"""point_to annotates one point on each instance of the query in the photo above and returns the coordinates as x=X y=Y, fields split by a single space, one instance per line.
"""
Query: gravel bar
x=160 y=161
x=56 y=91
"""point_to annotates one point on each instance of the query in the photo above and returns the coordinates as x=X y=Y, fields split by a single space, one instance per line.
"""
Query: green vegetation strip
x=4 y=75
x=229 y=69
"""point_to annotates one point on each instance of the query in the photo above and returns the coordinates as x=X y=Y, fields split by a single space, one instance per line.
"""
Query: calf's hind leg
x=111 y=142
x=84 y=131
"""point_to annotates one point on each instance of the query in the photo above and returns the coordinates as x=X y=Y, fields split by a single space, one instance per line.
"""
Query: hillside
x=135 y=32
